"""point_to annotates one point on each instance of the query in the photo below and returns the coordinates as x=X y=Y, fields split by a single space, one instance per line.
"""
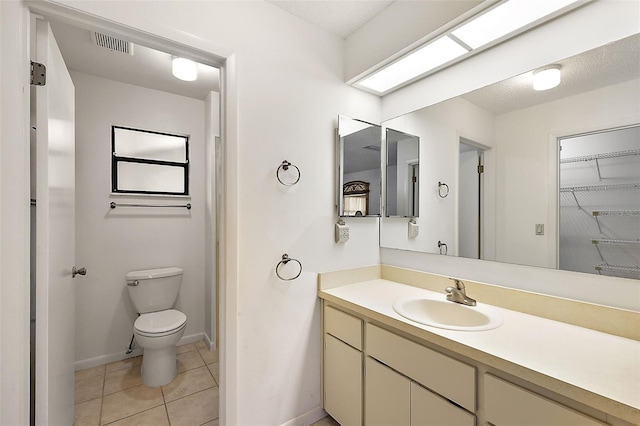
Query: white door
x=55 y=235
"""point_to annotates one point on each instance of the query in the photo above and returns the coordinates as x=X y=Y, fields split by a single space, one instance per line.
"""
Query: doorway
x=124 y=227
x=470 y=183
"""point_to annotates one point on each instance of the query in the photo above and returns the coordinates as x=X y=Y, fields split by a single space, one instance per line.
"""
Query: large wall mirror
x=359 y=168
x=512 y=196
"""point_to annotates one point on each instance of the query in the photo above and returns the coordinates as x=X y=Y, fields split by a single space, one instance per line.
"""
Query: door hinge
x=38 y=74
x=481 y=169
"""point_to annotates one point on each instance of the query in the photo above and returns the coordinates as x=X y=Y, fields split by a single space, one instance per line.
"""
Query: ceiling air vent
x=111 y=43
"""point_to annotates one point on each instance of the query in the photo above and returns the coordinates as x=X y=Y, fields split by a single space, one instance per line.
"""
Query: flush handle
x=75 y=271
x=133 y=283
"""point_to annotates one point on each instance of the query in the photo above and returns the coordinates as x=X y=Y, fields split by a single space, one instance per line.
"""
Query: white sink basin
x=448 y=315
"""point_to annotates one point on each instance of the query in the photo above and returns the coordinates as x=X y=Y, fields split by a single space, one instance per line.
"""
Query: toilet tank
x=154 y=290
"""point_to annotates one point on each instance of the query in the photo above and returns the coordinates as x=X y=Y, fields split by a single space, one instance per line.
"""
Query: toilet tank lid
x=148 y=274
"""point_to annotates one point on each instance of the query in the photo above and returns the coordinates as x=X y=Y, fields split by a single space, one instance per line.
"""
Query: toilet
x=158 y=328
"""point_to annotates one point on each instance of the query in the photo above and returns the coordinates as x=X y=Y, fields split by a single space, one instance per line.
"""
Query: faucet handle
x=459 y=284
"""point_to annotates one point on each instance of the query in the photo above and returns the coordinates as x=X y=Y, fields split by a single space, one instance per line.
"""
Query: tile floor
x=114 y=394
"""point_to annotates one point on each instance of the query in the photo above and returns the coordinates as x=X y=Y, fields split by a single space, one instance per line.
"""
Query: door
x=342 y=382
x=469 y=201
x=55 y=235
x=387 y=396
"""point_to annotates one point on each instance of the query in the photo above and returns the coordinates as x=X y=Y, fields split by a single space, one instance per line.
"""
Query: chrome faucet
x=457 y=294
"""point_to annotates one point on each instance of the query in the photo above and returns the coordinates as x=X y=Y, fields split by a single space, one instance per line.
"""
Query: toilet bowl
x=159 y=327
x=157 y=333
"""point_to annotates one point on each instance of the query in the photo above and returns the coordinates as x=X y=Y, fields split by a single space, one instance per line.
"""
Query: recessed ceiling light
x=184 y=69
x=546 y=78
x=414 y=64
x=505 y=19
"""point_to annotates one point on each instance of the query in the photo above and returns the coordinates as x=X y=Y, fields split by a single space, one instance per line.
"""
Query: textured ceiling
x=610 y=64
x=338 y=17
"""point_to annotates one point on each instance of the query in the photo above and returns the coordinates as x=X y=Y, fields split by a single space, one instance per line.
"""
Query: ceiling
x=146 y=67
x=604 y=66
x=341 y=18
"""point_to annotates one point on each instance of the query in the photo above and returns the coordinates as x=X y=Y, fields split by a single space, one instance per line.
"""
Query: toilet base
x=159 y=366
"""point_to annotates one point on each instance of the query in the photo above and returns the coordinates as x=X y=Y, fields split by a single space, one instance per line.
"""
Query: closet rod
x=113 y=205
x=615 y=242
x=617 y=268
x=600 y=156
x=616 y=213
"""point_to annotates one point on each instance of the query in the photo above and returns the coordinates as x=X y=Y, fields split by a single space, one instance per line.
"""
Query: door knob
x=75 y=271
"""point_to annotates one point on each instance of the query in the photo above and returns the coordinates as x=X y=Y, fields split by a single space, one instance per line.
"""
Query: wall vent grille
x=111 y=43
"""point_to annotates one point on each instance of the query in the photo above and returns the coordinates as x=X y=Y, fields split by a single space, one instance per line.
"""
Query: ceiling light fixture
x=507 y=19
x=546 y=78
x=184 y=69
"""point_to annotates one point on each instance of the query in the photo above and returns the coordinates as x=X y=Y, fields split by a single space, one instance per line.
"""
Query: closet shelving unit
x=597 y=214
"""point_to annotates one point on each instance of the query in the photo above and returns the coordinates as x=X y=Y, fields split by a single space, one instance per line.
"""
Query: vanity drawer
x=508 y=404
x=450 y=378
x=343 y=326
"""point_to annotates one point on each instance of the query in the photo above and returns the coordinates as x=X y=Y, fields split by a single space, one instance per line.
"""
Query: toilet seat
x=161 y=323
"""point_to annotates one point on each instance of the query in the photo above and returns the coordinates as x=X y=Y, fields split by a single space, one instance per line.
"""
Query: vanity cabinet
x=342 y=372
x=508 y=404
x=387 y=396
x=428 y=409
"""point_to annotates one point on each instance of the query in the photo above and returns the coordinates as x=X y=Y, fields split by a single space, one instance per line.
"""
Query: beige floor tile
x=128 y=402
x=212 y=423
x=154 y=417
x=90 y=372
x=201 y=345
x=189 y=361
x=327 y=421
x=195 y=409
x=125 y=363
x=185 y=348
x=214 y=369
x=208 y=356
x=188 y=383
x=122 y=379
x=88 y=388
x=87 y=413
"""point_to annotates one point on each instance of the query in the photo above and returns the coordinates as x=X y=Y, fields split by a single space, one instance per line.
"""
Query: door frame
x=14 y=210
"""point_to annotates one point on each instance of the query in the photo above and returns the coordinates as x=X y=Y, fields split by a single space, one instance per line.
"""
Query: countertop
x=597 y=369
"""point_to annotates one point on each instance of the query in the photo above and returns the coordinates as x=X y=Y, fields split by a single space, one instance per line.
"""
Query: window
x=149 y=162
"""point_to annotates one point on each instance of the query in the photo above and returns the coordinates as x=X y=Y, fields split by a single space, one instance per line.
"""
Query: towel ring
x=440 y=185
x=285 y=166
x=286 y=259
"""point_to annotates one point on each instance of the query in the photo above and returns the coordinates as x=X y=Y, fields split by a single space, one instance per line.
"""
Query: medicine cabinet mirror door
x=402 y=194
x=359 y=168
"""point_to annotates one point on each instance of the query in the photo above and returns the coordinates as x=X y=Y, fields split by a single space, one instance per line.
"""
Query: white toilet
x=158 y=328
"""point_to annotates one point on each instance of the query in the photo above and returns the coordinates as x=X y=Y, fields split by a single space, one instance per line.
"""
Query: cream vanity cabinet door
x=508 y=404
x=342 y=367
x=387 y=396
x=429 y=409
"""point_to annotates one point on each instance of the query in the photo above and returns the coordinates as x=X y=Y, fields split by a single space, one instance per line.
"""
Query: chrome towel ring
x=286 y=259
x=442 y=193
x=285 y=166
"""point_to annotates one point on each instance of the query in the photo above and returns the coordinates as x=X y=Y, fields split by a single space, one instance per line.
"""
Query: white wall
x=288 y=77
x=112 y=242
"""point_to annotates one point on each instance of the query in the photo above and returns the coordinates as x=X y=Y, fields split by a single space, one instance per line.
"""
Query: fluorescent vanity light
x=184 y=69
x=546 y=78
x=414 y=64
x=505 y=19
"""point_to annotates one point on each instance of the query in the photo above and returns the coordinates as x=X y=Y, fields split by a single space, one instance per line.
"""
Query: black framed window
x=149 y=162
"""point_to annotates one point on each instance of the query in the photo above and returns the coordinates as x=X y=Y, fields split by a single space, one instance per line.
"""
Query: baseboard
x=119 y=356
x=210 y=343
x=308 y=418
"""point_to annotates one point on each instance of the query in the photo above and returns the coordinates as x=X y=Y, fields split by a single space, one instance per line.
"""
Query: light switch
x=539 y=228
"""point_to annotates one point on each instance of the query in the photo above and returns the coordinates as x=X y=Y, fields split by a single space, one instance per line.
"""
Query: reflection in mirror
x=402 y=196
x=517 y=130
x=359 y=168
